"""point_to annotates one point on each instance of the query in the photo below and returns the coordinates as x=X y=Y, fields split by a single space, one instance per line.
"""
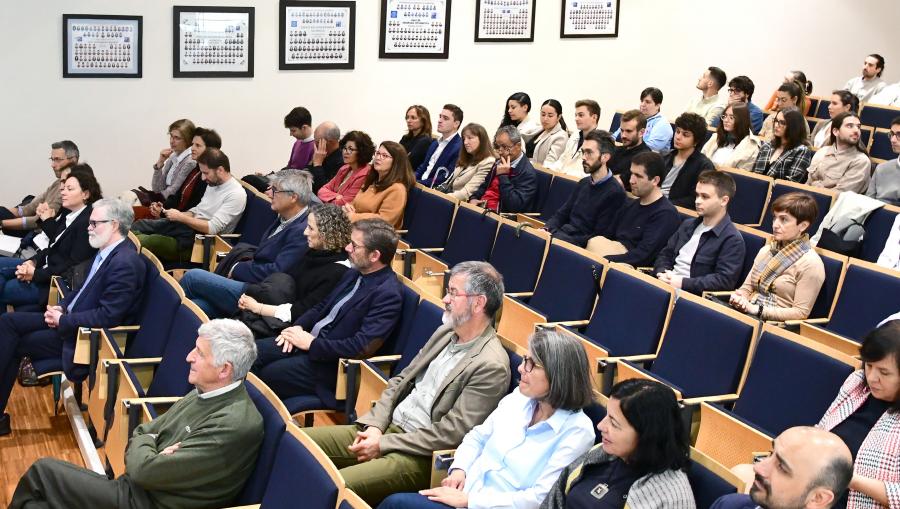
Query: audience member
x=193 y=188
x=733 y=145
x=299 y=124
x=546 y=147
x=515 y=457
x=473 y=165
x=357 y=150
x=740 y=90
x=787 y=273
x=805 y=85
x=197 y=454
x=385 y=190
x=870 y=82
x=174 y=163
x=587 y=115
x=843 y=165
x=327 y=158
x=641 y=461
x=841 y=101
x=787 y=155
x=281 y=247
x=631 y=130
x=788 y=95
x=686 y=162
x=707 y=252
x=441 y=157
x=388 y=450
x=889 y=96
x=511 y=185
x=517 y=114
x=63 y=156
x=418 y=137
x=885 y=183
x=658 y=134
x=709 y=105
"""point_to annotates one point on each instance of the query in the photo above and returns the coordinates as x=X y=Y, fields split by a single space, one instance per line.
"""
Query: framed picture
x=102 y=46
x=415 y=29
x=316 y=34
x=504 y=20
x=589 y=18
x=212 y=42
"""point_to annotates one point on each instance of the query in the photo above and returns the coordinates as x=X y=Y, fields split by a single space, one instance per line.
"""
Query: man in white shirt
x=440 y=160
x=709 y=105
x=587 y=115
x=870 y=83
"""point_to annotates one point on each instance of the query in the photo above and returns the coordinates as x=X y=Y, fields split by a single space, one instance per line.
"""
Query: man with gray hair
x=451 y=386
x=327 y=159
x=63 y=156
x=109 y=295
x=198 y=454
x=282 y=246
x=511 y=186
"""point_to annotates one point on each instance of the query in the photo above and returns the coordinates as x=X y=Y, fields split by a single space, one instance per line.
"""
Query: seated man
x=283 y=245
x=511 y=185
x=686 y=162
x=809 y=468
x=326 y=159
x=351 y=323
x=841 y=164
x=885 y=183
x=440 y=160
x=197 y=454
x=709 y=105
x=631 y=130
x=869 y=82
x=172 y=237
x=587 y=115
x=451 y=386
x=740 y=90
x=658 y=135
x=643 y=226
x=707 y=252
x=109 y=296
x=592 y=207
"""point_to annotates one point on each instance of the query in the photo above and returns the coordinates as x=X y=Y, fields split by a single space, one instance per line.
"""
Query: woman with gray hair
x=516 y=455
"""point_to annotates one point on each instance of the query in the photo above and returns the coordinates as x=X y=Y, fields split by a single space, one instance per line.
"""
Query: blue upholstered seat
x=412 y=201
x=867 y=297
x=823 y=200
x=517 y=255
x=429 y=226
x=544 y=181
x=561 y=188
x=751 y=198
x=833 y=269
x=273 y=431
x=409 y=303
x=881 y=146
x=257 y=217
x=753 y=242
x=878 y=227
x=877 y=116
x=706 y=485
x=616 y=122
x=566 y=289
x=298 y=479
x=471 y=237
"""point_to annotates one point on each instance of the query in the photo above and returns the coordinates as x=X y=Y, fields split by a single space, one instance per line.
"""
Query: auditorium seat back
x=257 y=217
x=471 y=236
x=835 y=265
x=302 y=475
x=517 y=254
x=426 y=320
x=171 y=377
x=878 y=227
x=752 y=196
x=274 y=417
x=868 y=295
x=429 y=226
x=824 y=199
x=881 y=145
x=568 y=284
x=561 y=188
x=409 y=301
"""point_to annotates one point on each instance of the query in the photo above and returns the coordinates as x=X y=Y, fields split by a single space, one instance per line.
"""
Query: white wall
x=120 y=124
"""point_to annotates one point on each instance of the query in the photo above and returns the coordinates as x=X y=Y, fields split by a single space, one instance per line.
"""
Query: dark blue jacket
x=684 y=188
x=718 y=261
x=734 y=501
x=447 y=159
x=358 y=330
x=644 y=230
x=589 y=211
x=275 y=254
x=518 y=189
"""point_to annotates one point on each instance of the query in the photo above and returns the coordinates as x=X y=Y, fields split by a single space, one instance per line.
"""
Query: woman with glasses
x=418 y=135
x=805 y=85
x=476 y=158
x=788 y=95
x=357 y=149
x=514 y=458
x=641 y=461
x=733 y=145
x=842 y=101
x=385 y=189
x=788 y=155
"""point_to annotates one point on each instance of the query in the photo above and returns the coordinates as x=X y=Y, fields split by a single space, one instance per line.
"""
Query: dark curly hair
x=333 y=225
x=365 y=148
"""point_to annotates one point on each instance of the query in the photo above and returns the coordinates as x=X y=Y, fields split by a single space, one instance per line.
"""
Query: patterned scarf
x=779 y=257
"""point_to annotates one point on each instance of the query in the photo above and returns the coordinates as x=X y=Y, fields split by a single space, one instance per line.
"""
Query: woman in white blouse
x=547 y=146
x=733 y=145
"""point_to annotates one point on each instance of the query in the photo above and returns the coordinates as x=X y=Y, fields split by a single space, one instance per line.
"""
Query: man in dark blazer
x=440 y=160
x=352 y=322
x=511 y=186
x=109 y=296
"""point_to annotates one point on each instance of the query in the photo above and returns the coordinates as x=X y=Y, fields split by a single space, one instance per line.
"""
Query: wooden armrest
x=431 y=249
x=229 y=235
x=379 y=359
x=440 y=465
x=402 y=232
x=571 y=323
x=819 y=321
x=160 y=400
x=830 y=339
x=727 y=440
x=517 y=321
x=710 y=399
x=138 y=361
x=519 y=294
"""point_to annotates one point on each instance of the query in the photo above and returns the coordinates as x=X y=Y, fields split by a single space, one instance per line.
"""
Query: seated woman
x=866 y=415
x=788 y=95
x=274 y=304
x=787 y=273
x=357 y=149
x=386 y=188
x=841 y=101
x=299 y=124
x=518 y=106
x=547 y=146
x=733 y=145
x=514 y=458
x=805 y=85
x=27 y=282
x=418 y=135
x=174 y=162
x=475 y=161
x=640 y=462
x=193 y=187
x=788 y=155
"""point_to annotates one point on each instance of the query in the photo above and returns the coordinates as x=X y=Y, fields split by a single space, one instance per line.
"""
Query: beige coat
x=845 y=170
x=549 y=146
x=796 y=289
x=744 y=153
x=466 y=181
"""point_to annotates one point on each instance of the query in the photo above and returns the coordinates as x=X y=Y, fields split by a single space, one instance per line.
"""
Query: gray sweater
x=885 y=182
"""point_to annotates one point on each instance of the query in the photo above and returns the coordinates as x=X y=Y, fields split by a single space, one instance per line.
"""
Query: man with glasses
x=448 y=388
x=282 y=246
x=108 y=296
x=587 y=115
x=631 y=130
x=440 y=160
x=740 y=89
x=511 y=185
x=841 y=165
x=15 y=220
x=885 y=183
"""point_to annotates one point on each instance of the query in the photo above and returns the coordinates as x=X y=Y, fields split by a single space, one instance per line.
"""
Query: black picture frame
x=118 y=44
x=501 y=37
x=416 y=29
x=586 y=31
x=341 y=35
x=224 y=54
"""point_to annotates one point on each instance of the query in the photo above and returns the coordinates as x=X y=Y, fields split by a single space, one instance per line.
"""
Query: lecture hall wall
x=120 y=124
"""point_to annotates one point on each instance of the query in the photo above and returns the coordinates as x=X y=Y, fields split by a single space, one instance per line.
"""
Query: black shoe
x=4 y=425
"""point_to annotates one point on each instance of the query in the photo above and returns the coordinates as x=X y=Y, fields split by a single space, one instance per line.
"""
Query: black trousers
x=53 y=483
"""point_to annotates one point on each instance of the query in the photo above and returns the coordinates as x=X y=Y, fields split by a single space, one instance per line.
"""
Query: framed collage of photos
x=212 y=42
x=102 y=46
x=589 y=18
x=415 y=29
x=504 y=20
x=316 y=34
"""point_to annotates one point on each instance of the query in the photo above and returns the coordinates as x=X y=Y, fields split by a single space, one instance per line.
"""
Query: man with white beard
x=451 y=386
x=108 y=296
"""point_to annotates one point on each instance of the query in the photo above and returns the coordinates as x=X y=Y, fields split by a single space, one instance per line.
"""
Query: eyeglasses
x=349 y=149
x=59 y=159
x=528 y=364
x=726 y=117
x=453 y=293
x=894 y=134
x=383 y=155
x=732 y=91
x=356 y=246
x=93 y=224
x=276 y=191
x=502 y=148
x=780 y=122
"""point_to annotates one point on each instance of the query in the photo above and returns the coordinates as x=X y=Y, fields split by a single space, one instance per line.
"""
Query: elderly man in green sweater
x=198 y=454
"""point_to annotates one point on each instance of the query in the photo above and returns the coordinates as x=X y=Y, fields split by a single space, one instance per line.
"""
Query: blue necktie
x=96 y=266
x=324 y=322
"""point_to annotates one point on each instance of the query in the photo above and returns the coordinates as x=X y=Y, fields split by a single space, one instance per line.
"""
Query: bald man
x=809 y=468
x=327 y=159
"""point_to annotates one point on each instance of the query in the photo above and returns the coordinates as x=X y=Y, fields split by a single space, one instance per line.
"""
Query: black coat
x=684 y=188
x=68 y=246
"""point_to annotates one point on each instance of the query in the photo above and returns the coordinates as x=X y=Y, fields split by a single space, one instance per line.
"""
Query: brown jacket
x=466 y=397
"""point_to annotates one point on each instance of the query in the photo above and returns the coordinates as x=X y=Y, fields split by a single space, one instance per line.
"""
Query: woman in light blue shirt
x=515 y=456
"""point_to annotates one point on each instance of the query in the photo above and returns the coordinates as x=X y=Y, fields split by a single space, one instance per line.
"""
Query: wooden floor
x=36 y=433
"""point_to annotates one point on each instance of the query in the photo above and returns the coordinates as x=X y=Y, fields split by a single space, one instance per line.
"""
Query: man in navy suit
x=108 y=297
x=511 y=185
x=440 y=160
x=352 y=322
x=282 y=247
